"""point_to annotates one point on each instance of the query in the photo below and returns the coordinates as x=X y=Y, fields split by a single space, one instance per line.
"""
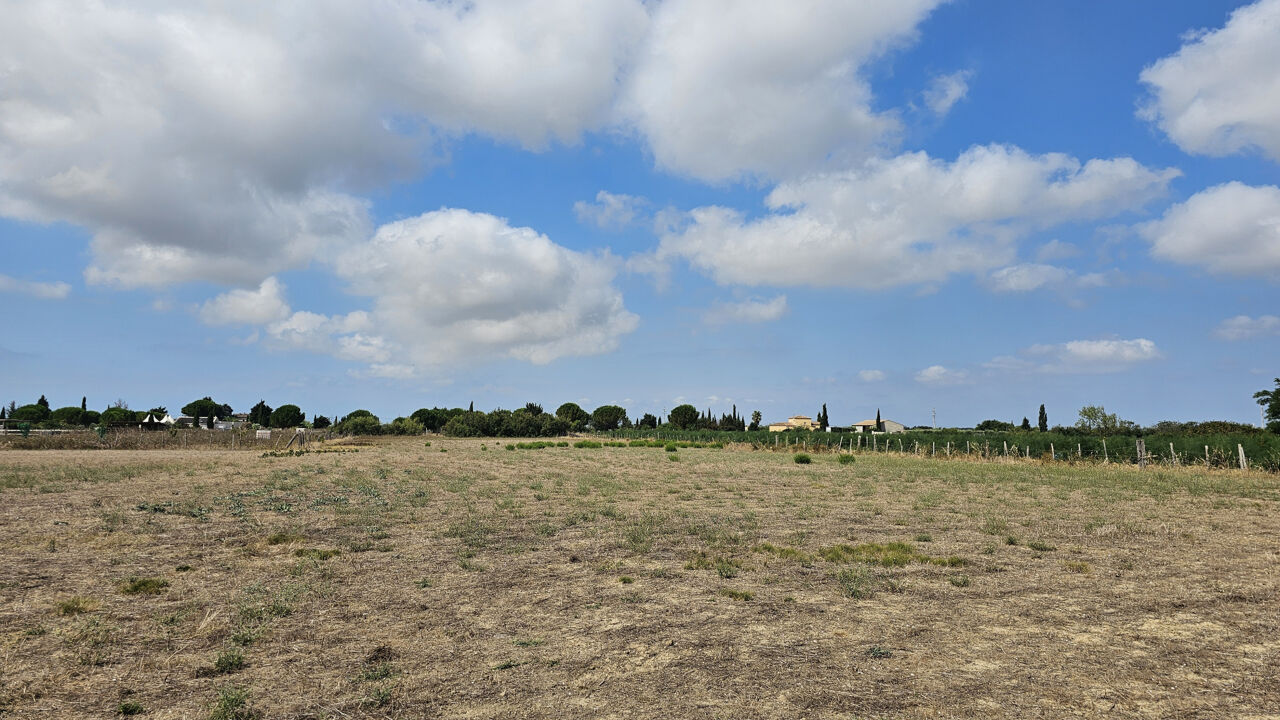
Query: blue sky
x=973 y=207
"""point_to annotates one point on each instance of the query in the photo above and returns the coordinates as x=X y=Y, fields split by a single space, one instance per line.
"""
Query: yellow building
x=795 y=422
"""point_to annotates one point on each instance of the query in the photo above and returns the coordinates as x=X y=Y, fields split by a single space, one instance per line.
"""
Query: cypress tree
x=1044 y=420
x=84 y=403
x=879 y=424
x=472 y=406
x=43 y=401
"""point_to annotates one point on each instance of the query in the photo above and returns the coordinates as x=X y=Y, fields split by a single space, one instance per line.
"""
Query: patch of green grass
x=802 y=459
x=626 y=579
x=894 y=554
x=316 y=553
x=143 y=586
x=75 y=605
x=378 y=697
x=949 y=561
x=995 y=526
x=786 y=553
x=1041 y=546
x=671 y=447
x=380 y=671
x=233 y=704
x=1010 y=540
x=742 y=595
x=1077 y=566
x=856 y=582
x=587 y=444
x=673 y=458
x=130 y=707
x=280 y=538
x=846 y=459
x=877 y=652
x=510 y=664
x=961 y=580
x=924 y=537
x=227 y=662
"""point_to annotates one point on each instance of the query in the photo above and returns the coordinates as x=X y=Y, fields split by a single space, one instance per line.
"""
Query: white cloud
x=1027 y=277
x=747 y=311
x=610 y=211
x=871 y=375
x=1056 y=250
x=945 y=91
x=41 y=290
x=227 y=142
x=1232 y=228
x=1220 y=92
x=1243 y=327
x=453 y=286
x=725 y=89
x=248 y=307
x=939 y=375
x=909 y=219
x=1092 y=356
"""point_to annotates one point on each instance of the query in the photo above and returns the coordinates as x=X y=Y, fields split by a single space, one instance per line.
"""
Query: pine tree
x=1044 y=420
x=42 y=401
x=1026 y=424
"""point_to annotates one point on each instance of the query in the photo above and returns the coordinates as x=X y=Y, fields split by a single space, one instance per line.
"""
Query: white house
x=890 y=426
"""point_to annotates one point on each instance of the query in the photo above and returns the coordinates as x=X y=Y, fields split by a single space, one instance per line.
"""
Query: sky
x=954 y=210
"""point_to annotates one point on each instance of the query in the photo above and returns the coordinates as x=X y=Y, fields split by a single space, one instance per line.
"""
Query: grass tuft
x=143 y=586
x=802 y=459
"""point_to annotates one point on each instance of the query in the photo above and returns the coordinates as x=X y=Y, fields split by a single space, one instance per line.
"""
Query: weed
x=143 y=586
x=130 y=707
x=227 y=662
x=1010 y=540
x=670 y=447
x=626 y=579
x=802 y=459
x=424 y=583
x=378 y=697
x=316 y=553
x=846 y=459
x=924 y=537
x=728 y=568
x=233 y=704
x=510 y=664
x=856 y=582
x=76 y=605
x=995 y=526
x=894 y=554
x=1076 y=566
x=949 y=561
x=736 y=594
x=785 y=553
x=283 y=537
x=877 y=652
x=673 y=458
x=1041 y=546
x=587 y=444
x=961 y=580
x=183 y=568
x=380 y=671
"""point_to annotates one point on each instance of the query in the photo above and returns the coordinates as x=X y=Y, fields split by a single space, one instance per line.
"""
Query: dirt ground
x=461 y=579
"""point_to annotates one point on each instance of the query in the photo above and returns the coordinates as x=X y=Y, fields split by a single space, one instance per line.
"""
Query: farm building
x=795 y=422
x=890 y=426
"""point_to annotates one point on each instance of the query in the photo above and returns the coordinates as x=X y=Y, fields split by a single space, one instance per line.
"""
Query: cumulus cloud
x=1079 y=357
x=41 y=290
x=248 y=307
x=939 y=375
x=454 y=286
x=909 y=219
x=1220 y=92
x=747 y=311
x=609 y=211
x=725 y=89
x=871 y=375
x=945 y=91
x=1243 y=327
x=227 y=142
x=1232 y=228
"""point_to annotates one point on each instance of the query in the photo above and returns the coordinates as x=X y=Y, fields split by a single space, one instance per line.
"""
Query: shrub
x=847 y=459
x=143 y=586
x=671 y=447
x=802 y=459
x=405 y=426
x=363 y=425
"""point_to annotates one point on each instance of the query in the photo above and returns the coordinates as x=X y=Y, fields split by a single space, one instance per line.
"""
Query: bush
x=671 y=447
x=67 y=416
x=405 y=426
x=30 y=413
x=802 y=459
x=846 y=459
x=363 y=425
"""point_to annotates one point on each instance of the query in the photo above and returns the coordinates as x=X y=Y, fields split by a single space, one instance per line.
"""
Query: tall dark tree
x=608 y=417
x=823 y=420
x=84 y=403
x=259 y=414
x=533 y=408
x=1044 y=420
x=574 y=415
x=42 y=402
x=320 y=422
x=879 y=423
x=3 y=410
x=472 y=406
x=1026 y=424
x=287 y=416
x=755 y=420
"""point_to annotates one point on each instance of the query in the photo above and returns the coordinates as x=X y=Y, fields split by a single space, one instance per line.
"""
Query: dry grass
x=402 y=581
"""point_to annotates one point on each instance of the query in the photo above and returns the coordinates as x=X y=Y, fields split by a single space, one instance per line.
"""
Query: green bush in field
x=802 y=459
x=671 y=447
x=846 y=459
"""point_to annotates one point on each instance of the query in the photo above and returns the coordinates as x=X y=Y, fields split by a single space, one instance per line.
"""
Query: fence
x=135 y=439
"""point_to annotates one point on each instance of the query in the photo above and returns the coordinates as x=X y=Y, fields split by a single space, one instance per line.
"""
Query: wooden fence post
x=1244 y=462
x=1141 y=448
x=1173 y=454
x=1105 y=457
x=1053 y=454
x=1206 y=456
x=1006 y=448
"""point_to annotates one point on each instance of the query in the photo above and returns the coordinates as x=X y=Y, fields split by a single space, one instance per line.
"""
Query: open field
x=464 y=580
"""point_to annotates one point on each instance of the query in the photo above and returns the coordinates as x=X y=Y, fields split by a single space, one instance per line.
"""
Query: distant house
x=795 y=422
x=870 y=426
